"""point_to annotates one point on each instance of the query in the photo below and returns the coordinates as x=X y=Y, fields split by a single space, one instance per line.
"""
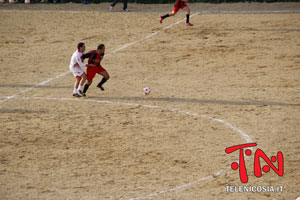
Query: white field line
x=243 y=134
x=151 y=35
x=7 y=98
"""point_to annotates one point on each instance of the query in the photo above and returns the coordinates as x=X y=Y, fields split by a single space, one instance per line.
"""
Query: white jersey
x=76 y=64
x=76 y=59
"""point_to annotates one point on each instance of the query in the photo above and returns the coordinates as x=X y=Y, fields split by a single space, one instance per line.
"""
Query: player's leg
x=78 y=78
x=113 y=4
x=188 y=11
x=83 y=79
x=86 y=87
x=174 y=11
x=91 y=72
x=125 y=6
x=104 y=79
x=75 y=94
x=77 y=72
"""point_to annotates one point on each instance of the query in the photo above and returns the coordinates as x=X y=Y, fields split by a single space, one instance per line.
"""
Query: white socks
x=76 y=90
x=79 y=87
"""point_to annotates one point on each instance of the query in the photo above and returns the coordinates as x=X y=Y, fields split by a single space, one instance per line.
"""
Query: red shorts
x=176 y=9
x=92 y=71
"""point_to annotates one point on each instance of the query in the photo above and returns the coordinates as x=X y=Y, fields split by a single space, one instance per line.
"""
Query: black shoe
x=101 y=88
x=76 y=95
x=80 y=92
x=83 y=94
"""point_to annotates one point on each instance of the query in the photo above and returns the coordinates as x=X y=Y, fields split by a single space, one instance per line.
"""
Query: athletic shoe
x=101 y=88
x=76 y=95
x=161 y=19
x=80 y=92
x=126 y=10
x=189 y=24
x=83 y=94
x=111 y=8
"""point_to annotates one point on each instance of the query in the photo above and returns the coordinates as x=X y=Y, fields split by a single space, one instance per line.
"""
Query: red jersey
x=179 y=4
x=94 y=58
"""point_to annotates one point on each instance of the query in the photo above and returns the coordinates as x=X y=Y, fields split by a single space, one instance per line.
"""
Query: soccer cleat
x=161 y=19
x=76 y=95
x=83 y=94
x=110 y=8
x=80 y=92
x=189 y=24
x=101 y=88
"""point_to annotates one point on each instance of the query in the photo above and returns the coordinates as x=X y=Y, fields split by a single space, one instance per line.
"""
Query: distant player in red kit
x=95 y=58
x=180 y=4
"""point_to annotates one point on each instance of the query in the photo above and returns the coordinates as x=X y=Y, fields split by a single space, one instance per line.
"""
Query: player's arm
x=88 y=65
x=79 y=62
x=87 y=55
x=91 y=65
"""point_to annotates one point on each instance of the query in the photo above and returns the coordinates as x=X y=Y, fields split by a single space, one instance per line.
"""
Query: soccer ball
x=147 y=90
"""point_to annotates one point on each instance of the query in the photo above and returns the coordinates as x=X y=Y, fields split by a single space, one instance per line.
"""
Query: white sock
x=80 y=87
x=74 y=91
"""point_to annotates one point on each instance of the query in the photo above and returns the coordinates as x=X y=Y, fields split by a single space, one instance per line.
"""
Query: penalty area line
x=240 y=132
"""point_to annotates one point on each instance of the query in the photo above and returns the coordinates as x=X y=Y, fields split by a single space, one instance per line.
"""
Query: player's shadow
x=166 y=99
x=197 y=101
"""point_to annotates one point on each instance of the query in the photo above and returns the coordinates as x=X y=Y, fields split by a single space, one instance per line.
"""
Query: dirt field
x=233 y=75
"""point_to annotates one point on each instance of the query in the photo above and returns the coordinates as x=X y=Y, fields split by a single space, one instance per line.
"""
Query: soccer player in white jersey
x=76 y=65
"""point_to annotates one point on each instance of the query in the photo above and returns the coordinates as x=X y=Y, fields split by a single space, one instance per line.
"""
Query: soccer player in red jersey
x=180 y=4
x=95 y=58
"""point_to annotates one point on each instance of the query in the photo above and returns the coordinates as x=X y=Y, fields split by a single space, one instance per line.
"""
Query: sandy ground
x=241 y=68
x=195 y=7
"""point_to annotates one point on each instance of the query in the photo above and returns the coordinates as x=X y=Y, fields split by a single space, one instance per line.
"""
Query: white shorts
x=77 y=71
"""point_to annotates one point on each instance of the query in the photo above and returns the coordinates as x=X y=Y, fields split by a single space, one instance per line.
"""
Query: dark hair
x=80 y=44
x=100 y=46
